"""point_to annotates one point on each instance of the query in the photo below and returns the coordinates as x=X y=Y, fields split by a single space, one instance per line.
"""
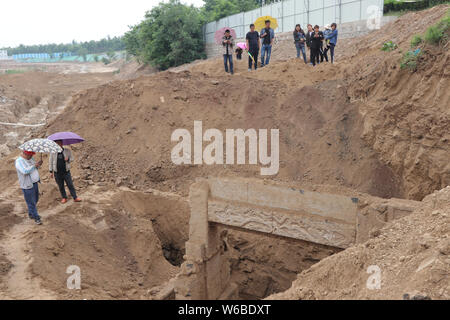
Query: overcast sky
x=61 y=21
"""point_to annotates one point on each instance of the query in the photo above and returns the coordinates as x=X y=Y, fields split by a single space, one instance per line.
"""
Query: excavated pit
x=127 y=242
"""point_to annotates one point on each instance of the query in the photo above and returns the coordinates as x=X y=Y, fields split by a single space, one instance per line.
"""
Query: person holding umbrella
x=228 y=44
x=267 y=35
x=28 y=174
x=59 y=163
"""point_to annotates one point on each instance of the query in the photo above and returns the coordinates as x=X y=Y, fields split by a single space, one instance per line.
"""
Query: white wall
x=290 y=12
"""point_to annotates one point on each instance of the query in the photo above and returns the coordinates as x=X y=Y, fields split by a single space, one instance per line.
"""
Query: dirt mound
x=411 y=253
x=346 y=124
x=115 y=245
x=131 y=69
x=319 y=140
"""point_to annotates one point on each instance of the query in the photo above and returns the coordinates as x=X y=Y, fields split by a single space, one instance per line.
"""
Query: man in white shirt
x=28 y=174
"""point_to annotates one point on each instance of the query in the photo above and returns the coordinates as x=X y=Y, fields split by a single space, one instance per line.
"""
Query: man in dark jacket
x=253 y=45
x=316 y=44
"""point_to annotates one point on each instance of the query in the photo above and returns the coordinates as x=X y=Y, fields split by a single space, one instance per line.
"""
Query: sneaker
x=64 y=200
x=38 y=222
x=77 y=200
x=249 y=69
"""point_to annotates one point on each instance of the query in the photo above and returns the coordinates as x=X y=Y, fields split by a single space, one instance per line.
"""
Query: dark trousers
x=60 y=178
x=228 y=58
x=315 y=56
x=323 y=54
x=332 y=52
x=31 y=198
x=254 y=53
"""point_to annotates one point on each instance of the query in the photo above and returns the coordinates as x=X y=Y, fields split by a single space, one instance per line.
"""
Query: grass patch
x=14 y=71
x=439 y=33
x=416 y=40
x=410 y=59
x=389 y=46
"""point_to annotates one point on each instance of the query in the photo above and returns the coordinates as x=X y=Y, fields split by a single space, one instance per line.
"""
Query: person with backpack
x=316 y=44
x=227 y=45
x=300 y=41
x=267 y=36
x=253 y=45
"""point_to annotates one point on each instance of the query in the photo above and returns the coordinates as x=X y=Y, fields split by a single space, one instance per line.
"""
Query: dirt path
x=20 y=284
x=16 y=246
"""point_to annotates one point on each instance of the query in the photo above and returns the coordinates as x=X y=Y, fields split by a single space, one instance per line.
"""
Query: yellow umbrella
x=260 y=22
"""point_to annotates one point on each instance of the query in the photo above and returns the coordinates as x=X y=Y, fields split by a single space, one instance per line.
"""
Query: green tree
x=214 y=10
x=83 y=52
x=170 y=35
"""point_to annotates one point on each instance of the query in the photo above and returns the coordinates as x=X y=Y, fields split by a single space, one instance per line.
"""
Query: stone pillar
x=205 y=274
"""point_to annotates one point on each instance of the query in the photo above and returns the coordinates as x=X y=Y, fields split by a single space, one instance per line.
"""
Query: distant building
x=3 y=54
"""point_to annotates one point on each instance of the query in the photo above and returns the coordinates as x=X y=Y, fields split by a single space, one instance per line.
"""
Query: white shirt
x=27 y=172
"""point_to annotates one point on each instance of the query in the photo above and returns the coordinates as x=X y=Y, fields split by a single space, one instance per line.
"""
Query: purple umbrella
x=66 y=137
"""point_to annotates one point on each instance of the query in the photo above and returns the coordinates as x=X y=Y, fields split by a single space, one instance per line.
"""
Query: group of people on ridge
x=28 y=174
x=319 y=44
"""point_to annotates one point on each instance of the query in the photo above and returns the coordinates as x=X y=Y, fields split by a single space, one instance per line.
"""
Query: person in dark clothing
x=299 y=41
x=316 y=44
x=239 y=53
x=308 y=34
x=59 y=167
x=228 y=44
x=253 y=45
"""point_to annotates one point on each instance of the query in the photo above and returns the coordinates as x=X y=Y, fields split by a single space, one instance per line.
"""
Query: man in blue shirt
x=267 y=35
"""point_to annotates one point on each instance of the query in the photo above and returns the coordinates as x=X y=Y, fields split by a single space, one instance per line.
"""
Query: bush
x=389 y=46
x=410 y=59
x=106 y=60
x=416 y=40
x=439 y=32
x=402 y=5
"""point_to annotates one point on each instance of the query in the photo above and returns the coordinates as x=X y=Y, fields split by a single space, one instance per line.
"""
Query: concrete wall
x=290 y=12
x=346 y=31
x=250 y=204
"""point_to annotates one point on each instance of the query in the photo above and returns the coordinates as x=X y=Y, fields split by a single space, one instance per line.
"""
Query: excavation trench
x=127 y=242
